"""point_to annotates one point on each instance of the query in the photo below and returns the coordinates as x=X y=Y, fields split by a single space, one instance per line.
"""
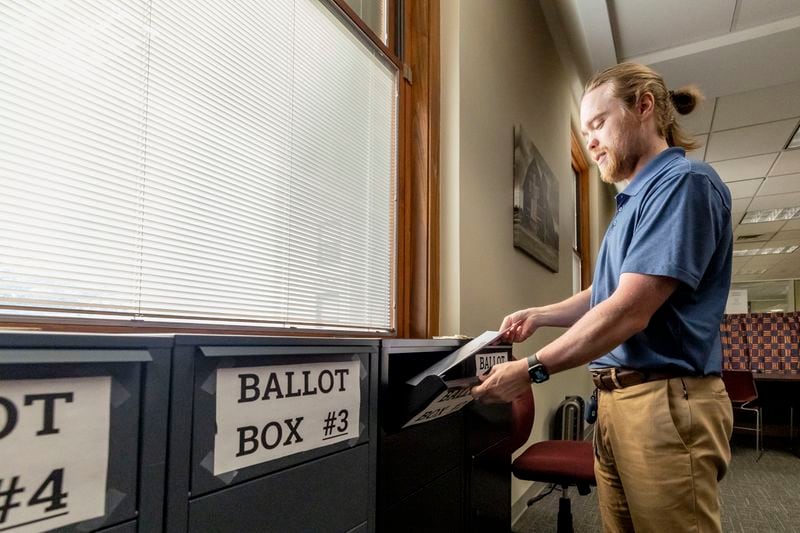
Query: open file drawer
x=83 y=423
x=250 y=413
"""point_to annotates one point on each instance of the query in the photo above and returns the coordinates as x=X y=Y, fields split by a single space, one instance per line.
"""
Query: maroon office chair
x=741 y=387
x=563 y=463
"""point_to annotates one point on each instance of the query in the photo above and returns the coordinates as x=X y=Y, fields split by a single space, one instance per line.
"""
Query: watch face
x=538 y=374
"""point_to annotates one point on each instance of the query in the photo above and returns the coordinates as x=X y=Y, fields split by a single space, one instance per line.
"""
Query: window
x=581 y=274
x=577 y=263
x=776 y=296
x=374 y=13
x=196 y=162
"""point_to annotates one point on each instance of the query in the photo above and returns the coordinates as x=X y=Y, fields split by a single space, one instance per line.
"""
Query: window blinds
x=195 y=161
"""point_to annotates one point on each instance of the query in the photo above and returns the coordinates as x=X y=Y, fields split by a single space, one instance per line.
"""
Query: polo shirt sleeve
x=677 y=229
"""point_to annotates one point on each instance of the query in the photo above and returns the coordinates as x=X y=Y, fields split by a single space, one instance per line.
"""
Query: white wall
x=449 y=161
x=500 y=67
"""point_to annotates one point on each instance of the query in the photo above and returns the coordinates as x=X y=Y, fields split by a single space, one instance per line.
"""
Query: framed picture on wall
x=535 y=203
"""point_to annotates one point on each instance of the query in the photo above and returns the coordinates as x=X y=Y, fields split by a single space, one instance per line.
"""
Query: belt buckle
x=602 y=381
x=615 y=379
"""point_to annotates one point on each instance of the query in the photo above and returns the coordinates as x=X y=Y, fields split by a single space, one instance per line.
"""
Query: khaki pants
x=660 y=453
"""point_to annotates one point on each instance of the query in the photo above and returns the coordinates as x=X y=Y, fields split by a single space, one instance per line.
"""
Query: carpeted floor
x=757 y=497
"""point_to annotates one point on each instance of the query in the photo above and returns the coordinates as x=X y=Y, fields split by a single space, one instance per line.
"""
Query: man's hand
x=519 y=325
x=503 y=383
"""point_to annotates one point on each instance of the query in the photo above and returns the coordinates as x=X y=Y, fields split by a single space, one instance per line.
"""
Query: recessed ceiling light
x=771 y=215
x=794 y=142
x=766 y=251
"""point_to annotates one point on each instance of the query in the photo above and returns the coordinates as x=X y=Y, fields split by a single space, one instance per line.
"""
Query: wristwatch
x=536 y=370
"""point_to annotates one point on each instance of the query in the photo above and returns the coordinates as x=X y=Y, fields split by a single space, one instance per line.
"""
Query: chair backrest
x=740 y=384
x=523 y=409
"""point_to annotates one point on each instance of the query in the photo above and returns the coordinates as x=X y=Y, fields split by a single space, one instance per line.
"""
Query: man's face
x=610 y=131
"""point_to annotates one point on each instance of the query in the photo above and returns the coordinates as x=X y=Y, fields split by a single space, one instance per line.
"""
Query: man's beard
x=621 y=160
x=617 y=167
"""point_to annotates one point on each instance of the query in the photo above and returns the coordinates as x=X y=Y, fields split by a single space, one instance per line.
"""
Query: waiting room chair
x=564 y=463
x=741 y=387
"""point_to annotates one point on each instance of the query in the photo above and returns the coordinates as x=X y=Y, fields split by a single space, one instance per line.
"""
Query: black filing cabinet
x=71 y=408
x=451 y=474
x=246 y=451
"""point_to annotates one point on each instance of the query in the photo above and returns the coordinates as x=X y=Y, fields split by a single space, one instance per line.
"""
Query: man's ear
x=645 y=105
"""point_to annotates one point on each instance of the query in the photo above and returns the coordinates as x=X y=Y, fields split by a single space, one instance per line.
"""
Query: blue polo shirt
x=673 y=219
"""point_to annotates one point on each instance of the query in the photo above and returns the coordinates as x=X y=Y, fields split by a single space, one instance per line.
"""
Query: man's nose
x=591 y=142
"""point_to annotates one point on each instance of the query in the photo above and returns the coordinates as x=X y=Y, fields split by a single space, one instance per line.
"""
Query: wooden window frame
x=581 y=168
x=418 y=254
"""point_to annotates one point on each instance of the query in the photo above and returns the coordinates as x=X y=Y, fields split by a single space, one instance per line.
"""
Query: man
x=650 y=322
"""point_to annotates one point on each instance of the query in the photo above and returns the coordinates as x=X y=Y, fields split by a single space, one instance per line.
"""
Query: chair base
x=757 y=429
x=541 y=496
x=564 y=524
x=564 y=515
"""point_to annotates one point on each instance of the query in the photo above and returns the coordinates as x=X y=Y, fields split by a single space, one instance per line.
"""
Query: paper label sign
x=54 y=437
x=457 y=357
x=485 y=361
x=737 y=302
x=448 y=402
x=268 y=412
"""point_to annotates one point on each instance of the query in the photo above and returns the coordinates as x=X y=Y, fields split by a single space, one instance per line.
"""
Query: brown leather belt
x=619 y=378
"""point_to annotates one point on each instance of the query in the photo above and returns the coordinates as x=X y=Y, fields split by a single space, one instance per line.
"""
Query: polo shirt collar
x=651 y=170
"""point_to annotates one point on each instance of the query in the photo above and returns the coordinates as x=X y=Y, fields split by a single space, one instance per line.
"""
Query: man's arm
x=563 y=314
x=626 y=312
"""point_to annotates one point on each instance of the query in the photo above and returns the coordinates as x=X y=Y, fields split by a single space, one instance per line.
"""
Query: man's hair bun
x=686 y=99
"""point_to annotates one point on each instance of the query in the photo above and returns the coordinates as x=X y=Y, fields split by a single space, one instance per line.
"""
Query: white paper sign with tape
x=268 y=412
x=54 y=436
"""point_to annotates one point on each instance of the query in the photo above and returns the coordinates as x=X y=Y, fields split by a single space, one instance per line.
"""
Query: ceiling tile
x=755 y=107
x=732 y=64
x=744 y=189
x=764 y=261
x=698 y=153
x=776 y=241
x=792 y=225
x=767 y=228
x=753 y=277
x=744 y=168
x=780 y=185
x=776 y=201
x=788 y=163
x=789 y=235
x=739 y=262
x=740 y=205
x=636 y=34
x=748 y=246
x=752 y=140
x=699 y=120
x=782 y=269
x=757 y=12
x=793 y=271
